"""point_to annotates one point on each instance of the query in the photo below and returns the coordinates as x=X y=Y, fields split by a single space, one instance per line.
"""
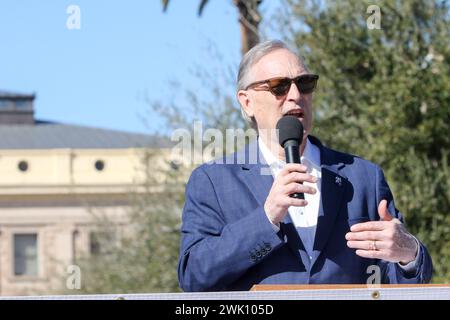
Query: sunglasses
x=279 y=87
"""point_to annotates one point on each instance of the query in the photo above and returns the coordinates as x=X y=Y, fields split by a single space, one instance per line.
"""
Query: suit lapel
x=331 y=198
x=258 y=177
x=293 y=240
x=333 y=189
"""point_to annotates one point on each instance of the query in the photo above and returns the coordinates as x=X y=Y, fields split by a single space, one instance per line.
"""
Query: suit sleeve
x=214 y=252
x=392 y=272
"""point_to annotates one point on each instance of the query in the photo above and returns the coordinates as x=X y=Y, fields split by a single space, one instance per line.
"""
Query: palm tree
x=249 y=19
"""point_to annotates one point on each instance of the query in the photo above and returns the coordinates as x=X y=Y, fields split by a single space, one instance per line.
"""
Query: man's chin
x=301 y=119
x=305 y=125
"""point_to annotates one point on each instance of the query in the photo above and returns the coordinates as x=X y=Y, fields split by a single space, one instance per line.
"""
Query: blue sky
x=99 y=74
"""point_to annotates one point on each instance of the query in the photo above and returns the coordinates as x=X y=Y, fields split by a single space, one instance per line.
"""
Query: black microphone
x=290 y=136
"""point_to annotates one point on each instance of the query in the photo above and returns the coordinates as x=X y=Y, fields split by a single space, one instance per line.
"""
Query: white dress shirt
x=301 y=216
x=307 y=216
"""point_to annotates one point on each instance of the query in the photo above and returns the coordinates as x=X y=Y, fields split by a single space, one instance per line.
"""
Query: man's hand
x=387 y=239
x=287 y=182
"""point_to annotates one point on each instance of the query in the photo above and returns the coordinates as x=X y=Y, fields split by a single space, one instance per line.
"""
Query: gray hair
x=249 y=60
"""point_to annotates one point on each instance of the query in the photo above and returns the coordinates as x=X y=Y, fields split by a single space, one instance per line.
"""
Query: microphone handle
x=292 y=153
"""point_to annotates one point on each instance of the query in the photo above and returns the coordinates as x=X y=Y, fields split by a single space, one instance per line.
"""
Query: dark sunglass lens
x=306 y=84
x=281 y=87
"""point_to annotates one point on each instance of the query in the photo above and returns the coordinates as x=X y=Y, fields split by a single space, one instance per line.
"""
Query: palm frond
x=165 y=3
x=202 y=6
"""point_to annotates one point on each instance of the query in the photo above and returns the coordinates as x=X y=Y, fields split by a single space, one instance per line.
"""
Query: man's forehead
x=280 y=62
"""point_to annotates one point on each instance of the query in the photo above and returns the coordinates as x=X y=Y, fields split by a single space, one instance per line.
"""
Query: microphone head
x=289 y=128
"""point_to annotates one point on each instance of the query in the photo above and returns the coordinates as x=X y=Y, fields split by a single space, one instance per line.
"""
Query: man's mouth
x=295 y=112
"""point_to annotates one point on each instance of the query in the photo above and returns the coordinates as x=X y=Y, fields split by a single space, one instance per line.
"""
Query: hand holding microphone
x=287 y=189
x=290 y=136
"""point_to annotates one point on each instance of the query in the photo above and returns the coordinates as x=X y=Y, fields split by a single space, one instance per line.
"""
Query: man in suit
x=240 y=225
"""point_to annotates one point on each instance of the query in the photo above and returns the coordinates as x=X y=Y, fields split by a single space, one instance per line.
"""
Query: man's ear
x=246 y=102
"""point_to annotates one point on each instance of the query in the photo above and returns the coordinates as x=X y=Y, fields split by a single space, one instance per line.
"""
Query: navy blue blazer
x=228 y=243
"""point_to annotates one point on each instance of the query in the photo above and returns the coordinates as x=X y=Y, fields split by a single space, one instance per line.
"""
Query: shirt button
x=310 y=258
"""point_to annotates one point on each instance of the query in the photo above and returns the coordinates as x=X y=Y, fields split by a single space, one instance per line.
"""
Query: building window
x=102 y=242
x=23 y=104
x=175 y=166
x=94 y=243
x=5 y=104
x=25 y=255
x=99 y=165
x=23 y=166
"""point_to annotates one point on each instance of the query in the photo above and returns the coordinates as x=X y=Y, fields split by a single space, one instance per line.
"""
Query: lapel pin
x=338 y=181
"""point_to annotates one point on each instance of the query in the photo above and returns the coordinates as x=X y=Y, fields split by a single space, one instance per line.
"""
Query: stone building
x=51 y=174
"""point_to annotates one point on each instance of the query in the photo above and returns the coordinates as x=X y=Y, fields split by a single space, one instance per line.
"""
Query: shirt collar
x=311 y=154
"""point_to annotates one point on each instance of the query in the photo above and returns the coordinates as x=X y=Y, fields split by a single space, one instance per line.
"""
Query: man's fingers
x=369 y=226
x=383 y=211
x=299 y=188
x=299 y=177
x=296 y=202
x=292 y=167
x=365 y=235
x=366 y=245
x=371 y=254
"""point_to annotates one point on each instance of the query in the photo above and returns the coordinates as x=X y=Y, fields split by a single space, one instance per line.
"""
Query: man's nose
x=293 y=93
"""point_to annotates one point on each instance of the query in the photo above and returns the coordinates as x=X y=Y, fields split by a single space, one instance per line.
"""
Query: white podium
x=280 y=292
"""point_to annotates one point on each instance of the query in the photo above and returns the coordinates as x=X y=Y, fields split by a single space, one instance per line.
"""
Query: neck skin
x=274 y=146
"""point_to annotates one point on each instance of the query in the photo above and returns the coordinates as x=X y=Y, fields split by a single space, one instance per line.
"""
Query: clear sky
x=98 y=75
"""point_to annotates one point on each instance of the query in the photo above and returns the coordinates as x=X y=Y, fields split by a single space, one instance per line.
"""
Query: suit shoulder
x=350 y=160
x=232 y=161
x=218 y=167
